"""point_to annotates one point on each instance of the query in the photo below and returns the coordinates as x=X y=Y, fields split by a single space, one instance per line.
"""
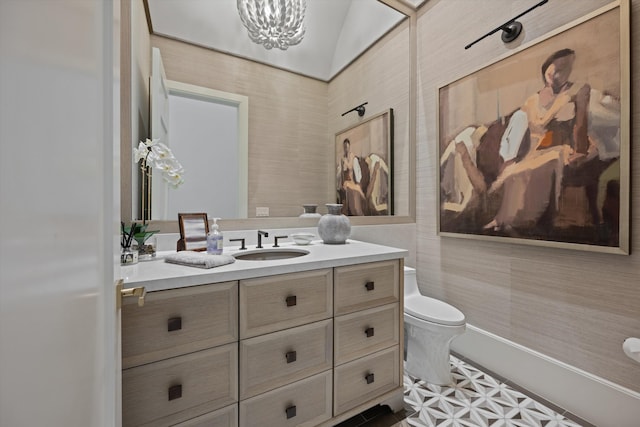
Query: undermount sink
x=270 y=254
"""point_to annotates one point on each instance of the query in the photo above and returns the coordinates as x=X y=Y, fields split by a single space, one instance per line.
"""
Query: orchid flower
x=154 y=154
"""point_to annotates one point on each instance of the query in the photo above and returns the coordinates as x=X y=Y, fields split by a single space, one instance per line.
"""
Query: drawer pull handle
x=369 y=378
x=291 y=356
x=291 y=411
x=139 y=292
x=175 y=392
x=291 y=301
x=370 y=286
x=174 y=324
x=369 y=332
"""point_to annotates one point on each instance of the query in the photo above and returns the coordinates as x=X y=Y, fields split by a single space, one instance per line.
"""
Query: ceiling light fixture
x=273 y=23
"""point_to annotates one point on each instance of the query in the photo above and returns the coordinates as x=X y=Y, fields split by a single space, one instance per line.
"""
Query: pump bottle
x=214 y=239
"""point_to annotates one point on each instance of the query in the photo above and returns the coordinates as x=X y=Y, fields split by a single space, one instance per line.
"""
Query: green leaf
x=142 y=237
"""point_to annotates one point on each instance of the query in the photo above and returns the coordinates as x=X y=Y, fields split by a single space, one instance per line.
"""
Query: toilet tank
x=410 y=282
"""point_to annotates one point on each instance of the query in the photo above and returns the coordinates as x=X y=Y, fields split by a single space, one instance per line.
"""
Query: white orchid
x=162 y=151
x=140 y=153
x=154 y=154
x=173 y=178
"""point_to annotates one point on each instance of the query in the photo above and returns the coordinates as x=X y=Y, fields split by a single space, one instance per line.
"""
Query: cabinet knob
x=369 y=332
x=369 y=378
x=291 y=301
x=175 y=392
x=291 y=356
x=370 y=286
x=174 y=324
x=291 y=411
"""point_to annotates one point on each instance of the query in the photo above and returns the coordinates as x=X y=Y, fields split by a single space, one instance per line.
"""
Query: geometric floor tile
x=475 y=400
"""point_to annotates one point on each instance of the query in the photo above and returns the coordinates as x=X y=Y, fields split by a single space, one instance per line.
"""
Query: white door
x=208 y=130
x=59 y=185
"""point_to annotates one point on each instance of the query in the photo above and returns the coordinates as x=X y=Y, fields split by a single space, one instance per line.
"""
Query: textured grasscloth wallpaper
x=574 y=306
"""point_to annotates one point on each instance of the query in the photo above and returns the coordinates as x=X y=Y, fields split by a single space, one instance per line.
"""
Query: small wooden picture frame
x=194 y=228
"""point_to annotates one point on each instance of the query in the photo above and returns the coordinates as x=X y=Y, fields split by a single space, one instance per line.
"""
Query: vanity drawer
x=225 y=417
x=174 y=390
x=178 y=321
x=303 y=403
x=280 y=358
x=268 y=304
x=363 y=332
x=366 y=285
x=363 y=379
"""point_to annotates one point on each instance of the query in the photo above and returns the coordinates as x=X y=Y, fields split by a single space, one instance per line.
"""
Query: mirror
x=292 y=117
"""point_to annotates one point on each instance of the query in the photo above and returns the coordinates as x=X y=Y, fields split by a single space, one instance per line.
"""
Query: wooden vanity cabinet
x=273 y=303
x=368 y=328
x=179 y=321
x=180 y=357
x=343 y=325
x=225 y=417
x=303 y=403
x=311 y=348
x=286 y=371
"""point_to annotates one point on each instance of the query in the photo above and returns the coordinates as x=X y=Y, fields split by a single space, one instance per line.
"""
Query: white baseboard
x=596 y=400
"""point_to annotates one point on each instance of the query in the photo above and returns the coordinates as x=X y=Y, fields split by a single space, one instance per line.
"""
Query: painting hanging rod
x=359 y=109
x=510 y=29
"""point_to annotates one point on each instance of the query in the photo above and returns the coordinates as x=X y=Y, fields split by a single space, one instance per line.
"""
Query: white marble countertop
x=159 y=275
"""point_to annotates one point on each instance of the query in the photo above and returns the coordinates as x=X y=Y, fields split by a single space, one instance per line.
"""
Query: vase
x=334 y=228
x=146 y=250
x=128 y=256
x=310 y=211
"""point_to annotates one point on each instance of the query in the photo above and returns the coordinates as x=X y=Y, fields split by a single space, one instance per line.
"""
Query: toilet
x=430 y=325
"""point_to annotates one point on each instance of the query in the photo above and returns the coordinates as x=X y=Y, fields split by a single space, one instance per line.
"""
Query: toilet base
x=427 y=354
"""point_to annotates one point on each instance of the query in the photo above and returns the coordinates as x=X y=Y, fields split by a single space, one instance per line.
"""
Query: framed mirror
x=292 y=116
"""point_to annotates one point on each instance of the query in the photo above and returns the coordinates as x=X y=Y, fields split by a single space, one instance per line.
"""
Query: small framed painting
x=364 y=175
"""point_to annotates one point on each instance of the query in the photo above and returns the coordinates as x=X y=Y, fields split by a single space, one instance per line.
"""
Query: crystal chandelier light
x=274 y=23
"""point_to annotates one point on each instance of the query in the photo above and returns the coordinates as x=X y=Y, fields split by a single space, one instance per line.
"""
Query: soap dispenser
x=214 y=239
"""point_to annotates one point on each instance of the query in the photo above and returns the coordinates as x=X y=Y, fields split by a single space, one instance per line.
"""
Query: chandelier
x=273 y=23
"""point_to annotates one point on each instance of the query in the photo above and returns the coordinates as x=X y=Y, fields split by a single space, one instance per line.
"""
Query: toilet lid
x=433 y=310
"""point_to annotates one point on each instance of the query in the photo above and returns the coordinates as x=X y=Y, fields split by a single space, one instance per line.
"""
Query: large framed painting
x=534 y=147
x=364 y=163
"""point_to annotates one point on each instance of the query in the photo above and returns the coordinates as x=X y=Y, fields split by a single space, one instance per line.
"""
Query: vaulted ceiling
x=337 y=31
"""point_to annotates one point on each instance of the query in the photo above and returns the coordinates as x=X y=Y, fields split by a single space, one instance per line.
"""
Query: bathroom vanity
x=306 y=341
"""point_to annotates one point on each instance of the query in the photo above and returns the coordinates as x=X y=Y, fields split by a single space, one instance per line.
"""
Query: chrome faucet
x=260 y=234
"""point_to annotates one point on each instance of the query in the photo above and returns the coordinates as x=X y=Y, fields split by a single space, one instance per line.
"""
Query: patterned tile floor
x=478 y=399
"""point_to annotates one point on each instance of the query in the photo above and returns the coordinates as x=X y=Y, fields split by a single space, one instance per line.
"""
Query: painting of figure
x=363 y=167
x=533 y=148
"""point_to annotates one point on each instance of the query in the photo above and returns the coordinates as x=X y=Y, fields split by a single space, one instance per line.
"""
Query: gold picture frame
x=364 y=167
x=534 y=148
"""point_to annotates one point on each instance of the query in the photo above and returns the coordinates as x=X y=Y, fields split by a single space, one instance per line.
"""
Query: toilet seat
x=433 y=310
